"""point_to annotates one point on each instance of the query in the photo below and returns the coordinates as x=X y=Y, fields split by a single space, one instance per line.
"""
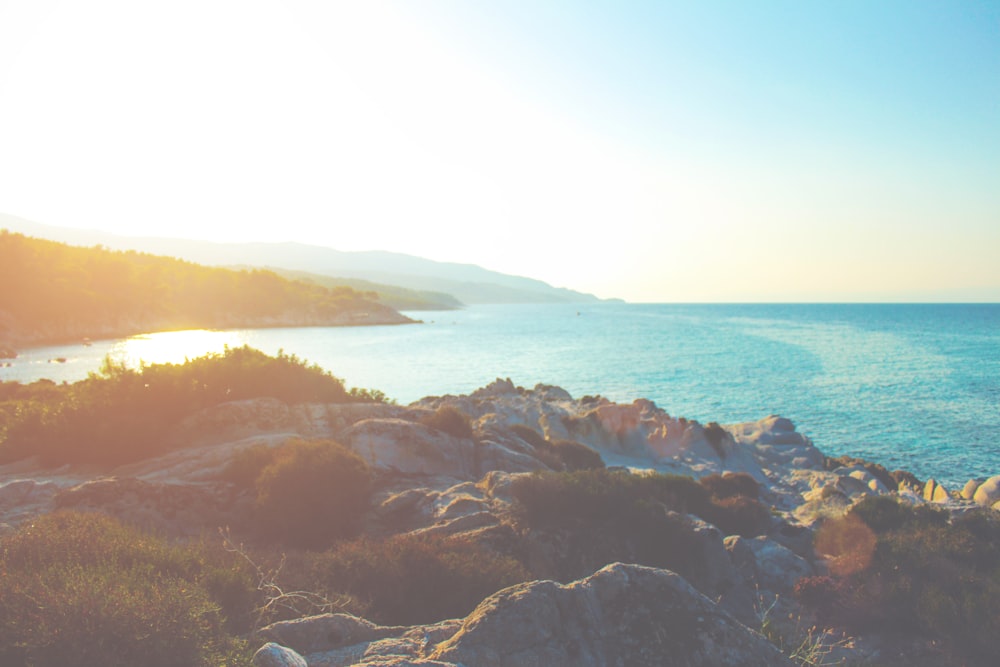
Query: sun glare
x=174 y=347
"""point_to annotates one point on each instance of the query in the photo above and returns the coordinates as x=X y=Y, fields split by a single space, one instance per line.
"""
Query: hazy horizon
x=651 y=151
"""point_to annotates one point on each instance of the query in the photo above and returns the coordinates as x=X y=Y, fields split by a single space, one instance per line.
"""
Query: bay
x=911 y=386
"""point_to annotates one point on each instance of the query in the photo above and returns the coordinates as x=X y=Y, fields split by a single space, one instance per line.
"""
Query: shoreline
x=12 y=346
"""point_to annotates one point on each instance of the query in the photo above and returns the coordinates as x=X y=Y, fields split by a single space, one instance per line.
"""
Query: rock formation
x=434 y=483
x=621 y=615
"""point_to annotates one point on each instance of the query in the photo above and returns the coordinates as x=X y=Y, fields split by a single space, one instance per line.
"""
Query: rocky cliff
x=432 y=482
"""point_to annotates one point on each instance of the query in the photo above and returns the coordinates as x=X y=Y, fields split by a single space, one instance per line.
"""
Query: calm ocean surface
x=910 y=386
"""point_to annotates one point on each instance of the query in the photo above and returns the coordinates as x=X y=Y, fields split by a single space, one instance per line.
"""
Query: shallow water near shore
x=911 y=386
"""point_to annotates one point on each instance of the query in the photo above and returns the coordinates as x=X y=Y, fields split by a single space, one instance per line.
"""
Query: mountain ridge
x=469 y=283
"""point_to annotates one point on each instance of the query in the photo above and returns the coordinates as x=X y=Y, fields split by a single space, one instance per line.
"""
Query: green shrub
x=529 y=435
x=576 y=455
x=559 y=455
x=313 y=493
x=451 y=420
x=412 y=579
x=883 y=513
x=245 y=466
x=739 y=515
x=927 y=576
x=600 y=516
x=552 y=500
x=82 y=589
x=731 y=484
x=122 y=415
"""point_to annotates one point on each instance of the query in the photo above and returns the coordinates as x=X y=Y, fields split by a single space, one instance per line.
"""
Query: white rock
x=778 y=567
x=274 y=655
x=969 y=490
x=935 y=493
x=988 y=492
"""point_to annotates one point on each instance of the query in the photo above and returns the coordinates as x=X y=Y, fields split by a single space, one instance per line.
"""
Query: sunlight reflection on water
x=173 y=347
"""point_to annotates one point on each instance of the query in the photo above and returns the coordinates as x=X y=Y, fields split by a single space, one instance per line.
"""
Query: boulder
x=742 y=557
x=716 y=575
x=969 y=490
x=273 y=655
x=623 y=614
x=778 y=567
x=324 y=632
x=406 y=447
x=935 y=493
x=777 y=445
x=988 y=492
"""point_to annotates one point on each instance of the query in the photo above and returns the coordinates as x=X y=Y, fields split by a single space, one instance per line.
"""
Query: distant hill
x=393 y=296
x=56 y=292
x=468 y=283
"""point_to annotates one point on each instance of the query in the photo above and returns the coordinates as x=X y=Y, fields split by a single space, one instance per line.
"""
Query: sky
x=652 y=151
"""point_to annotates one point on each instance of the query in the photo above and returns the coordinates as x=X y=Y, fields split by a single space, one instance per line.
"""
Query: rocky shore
x=430 y=482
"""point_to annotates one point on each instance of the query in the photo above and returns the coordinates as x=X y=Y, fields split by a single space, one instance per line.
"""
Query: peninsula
x=55 y=293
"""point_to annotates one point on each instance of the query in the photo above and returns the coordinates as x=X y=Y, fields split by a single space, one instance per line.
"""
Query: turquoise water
x=910 y=386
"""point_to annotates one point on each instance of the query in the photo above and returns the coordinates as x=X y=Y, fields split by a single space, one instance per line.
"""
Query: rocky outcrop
x=988 y=493
x=401 y=446
x=431 y=483
x=253 y=418
x=621 y=615
x=935 y=493
x=22 y=498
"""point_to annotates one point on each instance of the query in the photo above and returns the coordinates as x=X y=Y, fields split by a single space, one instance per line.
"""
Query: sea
x=910 y=386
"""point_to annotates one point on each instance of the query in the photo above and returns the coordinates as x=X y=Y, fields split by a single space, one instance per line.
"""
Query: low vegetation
x=413 y=579
x=120 y=415
x=84 y=590
x=601 y=516
x=450 y=420
x=309 y=493
x=925 y=576
x=559 y=455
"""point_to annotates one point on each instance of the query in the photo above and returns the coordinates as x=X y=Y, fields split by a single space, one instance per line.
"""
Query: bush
x=121 y=415
x=413 y=579
x=81 y=589
x=576 y=455
x=568 y=499
x=882 y=513
x=731 y=484
x=595 y=517
x=559 y=455
x=739 y=515
x=245 y=465
x=927 y=576
x=313 y=493
x=451 y=420
x=529 y=435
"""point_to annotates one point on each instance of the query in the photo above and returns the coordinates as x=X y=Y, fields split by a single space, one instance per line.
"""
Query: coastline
x=11 y=345
x=438 y=484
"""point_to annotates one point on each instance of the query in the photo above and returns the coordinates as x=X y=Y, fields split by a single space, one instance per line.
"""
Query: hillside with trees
x=393 y=296
x=56 y=292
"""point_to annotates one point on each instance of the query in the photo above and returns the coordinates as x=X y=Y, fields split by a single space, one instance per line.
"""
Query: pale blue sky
x=656 y=151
